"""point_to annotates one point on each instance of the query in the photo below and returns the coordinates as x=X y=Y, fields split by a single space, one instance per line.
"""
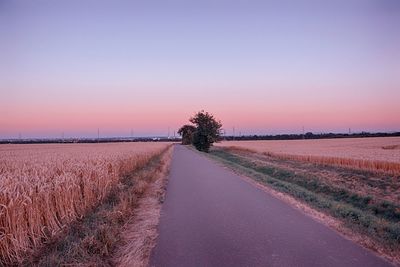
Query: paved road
x=212 y=217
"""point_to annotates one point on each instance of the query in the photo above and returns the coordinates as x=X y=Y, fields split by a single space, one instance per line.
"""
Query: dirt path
x=212 y=217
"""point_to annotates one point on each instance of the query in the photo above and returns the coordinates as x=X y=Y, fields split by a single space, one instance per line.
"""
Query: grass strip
x=380 y=224
x=382 y=209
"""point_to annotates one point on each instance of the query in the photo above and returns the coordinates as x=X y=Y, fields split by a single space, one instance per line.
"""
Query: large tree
x=207 y=130
x=187 y=131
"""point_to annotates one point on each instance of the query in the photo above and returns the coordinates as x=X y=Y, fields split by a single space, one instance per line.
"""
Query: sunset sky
x=263 y=67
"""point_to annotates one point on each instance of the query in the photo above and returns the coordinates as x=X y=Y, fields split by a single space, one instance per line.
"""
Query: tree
x=187 y=131
x=207 y=130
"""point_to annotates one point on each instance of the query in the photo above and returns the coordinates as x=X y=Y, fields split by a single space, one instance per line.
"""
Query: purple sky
x=259 y=66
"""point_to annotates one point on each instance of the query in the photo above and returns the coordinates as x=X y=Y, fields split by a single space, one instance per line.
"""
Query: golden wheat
x=361 y=153
x=45 y=187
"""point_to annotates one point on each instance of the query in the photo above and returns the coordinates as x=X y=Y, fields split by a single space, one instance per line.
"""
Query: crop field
x=43 y=188
x=380 y=154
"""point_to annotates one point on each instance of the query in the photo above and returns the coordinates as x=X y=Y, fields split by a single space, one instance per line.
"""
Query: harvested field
x=376 y=154
x=46 y=187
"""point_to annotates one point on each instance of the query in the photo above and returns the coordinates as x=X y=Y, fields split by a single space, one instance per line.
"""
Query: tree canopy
x=187 y=131
x=203 y=133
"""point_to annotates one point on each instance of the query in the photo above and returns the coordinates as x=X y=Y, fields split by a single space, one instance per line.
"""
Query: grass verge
x=377 y=220
x=93 y=239
x=140 y=234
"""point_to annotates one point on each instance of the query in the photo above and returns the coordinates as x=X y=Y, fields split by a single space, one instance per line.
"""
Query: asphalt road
x=212 y=217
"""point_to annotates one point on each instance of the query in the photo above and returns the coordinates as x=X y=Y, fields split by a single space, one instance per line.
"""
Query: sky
x=264 y=67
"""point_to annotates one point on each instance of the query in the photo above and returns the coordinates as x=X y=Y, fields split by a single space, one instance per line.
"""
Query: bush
x=205 y=132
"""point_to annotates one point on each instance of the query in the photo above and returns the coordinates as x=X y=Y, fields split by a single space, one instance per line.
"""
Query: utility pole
x=168 y=132
x=98 y=135
x=222 y=133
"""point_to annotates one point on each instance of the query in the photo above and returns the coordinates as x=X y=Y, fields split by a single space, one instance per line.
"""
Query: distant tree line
x=88 y=140
x=308 y=135
x=188 y=138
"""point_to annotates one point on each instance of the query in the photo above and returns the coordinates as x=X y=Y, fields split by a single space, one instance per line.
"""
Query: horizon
x=177 y=136
x=262 y=67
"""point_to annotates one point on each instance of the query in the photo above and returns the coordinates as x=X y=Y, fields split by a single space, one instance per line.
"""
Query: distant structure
x=299 y=136
x=222 y=134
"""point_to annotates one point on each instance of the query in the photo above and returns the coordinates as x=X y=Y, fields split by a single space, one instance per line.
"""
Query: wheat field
x=376 y=154
x=43 y=188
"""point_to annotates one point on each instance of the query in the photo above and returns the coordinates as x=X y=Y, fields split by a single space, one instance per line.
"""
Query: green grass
x=377 y=219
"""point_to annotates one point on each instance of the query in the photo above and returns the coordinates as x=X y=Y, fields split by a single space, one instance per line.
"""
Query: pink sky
x=149 y=114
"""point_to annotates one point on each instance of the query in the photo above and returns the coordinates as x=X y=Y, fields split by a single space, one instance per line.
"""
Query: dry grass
x=391 y=147
x=94 y=239
x=374 y=154
x=140 y=234
x=44 y=188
